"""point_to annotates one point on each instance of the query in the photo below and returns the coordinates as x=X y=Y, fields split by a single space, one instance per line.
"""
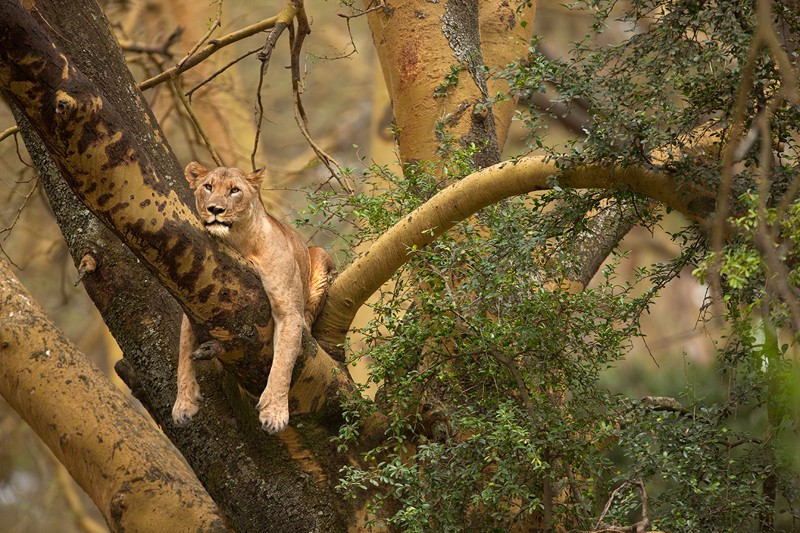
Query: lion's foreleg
x=188 y=400
x=273 y=406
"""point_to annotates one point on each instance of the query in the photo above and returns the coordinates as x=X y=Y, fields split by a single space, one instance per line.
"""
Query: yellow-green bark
x=121 y=460
x=464 y=198
x=419 y=43
x=105 y=167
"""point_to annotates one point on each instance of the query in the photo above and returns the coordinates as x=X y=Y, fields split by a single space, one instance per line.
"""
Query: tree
x=488 y=344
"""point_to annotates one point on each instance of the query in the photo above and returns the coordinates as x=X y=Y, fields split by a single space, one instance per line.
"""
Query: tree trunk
x=107 y=146
x=433 y=56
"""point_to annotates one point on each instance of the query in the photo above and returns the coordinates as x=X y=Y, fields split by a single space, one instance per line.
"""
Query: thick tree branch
x=106 y=167
x=145 y=320
x=254 y=478
x=478 y=190
x=123 y=462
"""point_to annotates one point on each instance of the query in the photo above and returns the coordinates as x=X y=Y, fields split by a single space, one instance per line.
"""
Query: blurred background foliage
x=640 y=386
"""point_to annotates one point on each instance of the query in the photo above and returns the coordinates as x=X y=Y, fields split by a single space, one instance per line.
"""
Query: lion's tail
x=323 y=272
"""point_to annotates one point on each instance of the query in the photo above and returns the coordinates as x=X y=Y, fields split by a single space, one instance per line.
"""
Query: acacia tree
x=487 y=346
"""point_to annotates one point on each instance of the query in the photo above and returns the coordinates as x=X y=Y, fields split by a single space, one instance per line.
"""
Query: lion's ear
x=256 y=177
x=193 y=172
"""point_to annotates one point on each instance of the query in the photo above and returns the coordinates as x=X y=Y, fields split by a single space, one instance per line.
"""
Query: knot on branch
x=65 y=104
x=87 y=265
x=208 y=350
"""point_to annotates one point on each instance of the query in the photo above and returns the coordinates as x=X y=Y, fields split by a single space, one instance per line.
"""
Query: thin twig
x=639 y=526
x=214 y=25
x=13 y=130
x=176 y=85
x=285 y=20
x=212 y=47
x=191 y=91
x=161 y=49
x=7 y=229
x=330 y=163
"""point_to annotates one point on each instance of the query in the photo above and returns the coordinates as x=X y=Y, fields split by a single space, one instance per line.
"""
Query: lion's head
x=223 y=196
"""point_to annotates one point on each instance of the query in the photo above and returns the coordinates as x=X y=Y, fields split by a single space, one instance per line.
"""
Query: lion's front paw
x=273 y=412
x=185 y=408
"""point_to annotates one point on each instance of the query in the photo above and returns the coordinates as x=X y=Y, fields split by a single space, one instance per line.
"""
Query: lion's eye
x=235 y=190
x=207 y=186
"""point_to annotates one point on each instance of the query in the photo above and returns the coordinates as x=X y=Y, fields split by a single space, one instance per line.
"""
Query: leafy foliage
x=481 y=330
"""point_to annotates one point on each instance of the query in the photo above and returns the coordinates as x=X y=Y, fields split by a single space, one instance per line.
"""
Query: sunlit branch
x=478 y=190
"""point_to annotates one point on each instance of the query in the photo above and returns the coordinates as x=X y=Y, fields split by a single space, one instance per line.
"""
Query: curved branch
x=105 y=164
x=478 y=190
x=95 y=86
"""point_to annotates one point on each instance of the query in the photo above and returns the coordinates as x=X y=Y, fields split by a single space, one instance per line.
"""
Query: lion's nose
x=216 y=209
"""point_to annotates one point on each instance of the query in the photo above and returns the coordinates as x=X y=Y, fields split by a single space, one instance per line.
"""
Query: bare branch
x=330 y=163
x=212 y=47
x=178 y=93
x=285 y=20
x=160 y=49
x=13 y=130
x=638 y=527
x=214 y=25
x=219 y=71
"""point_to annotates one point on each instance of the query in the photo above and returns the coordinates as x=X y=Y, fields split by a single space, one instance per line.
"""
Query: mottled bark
x=433 y=56
x=109 y=149
x=123 y=462
x=252 y=476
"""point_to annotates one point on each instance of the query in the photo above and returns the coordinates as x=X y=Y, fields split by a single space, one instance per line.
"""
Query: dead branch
x=212 y=47
x=162 y=49
x=13 y=130
x=303 y=29
x=640 y=526
x=178 y=93
x=214 y=25
x=219 y=71
x=285 y=20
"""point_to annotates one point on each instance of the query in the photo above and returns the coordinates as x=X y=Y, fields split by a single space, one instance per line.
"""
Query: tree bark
x=433 y=56
x=119 y=163
x=136 y=479
x=478 y=190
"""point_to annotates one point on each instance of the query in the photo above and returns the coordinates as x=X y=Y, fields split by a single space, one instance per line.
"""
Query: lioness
x=294 y=276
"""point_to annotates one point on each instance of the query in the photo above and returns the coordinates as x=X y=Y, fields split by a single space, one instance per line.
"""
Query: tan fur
x=294 y=276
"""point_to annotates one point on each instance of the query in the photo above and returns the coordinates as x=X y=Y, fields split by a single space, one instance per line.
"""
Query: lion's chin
x=218 y=229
